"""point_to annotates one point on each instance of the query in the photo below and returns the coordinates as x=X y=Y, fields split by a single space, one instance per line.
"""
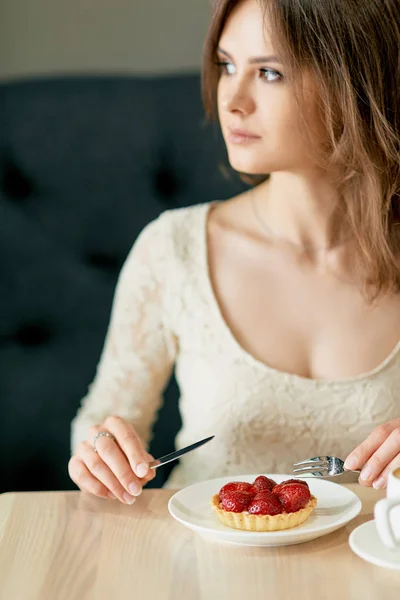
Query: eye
x=270 y=75
x=226 y=67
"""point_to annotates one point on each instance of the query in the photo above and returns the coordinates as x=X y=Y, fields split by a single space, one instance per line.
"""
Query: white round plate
x=366 y=543
x=336 y=506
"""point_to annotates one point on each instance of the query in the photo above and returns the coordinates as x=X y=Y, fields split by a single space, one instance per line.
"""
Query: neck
x=301 y=210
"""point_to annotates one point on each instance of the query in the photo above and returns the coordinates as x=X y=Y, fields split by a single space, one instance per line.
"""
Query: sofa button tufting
x=33 y=334
x=15 y=184
x=103 y=261
x=166 y=183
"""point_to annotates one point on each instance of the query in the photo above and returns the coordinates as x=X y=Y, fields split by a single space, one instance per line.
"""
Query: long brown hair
x=353 y=51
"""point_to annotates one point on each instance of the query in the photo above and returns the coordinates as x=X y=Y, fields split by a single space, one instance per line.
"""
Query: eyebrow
x=254 y=61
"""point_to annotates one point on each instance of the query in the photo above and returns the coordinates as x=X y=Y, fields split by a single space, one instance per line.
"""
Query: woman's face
x=256 y=98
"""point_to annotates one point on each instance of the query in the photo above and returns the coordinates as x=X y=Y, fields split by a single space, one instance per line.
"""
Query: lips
x=242 y=136
x=243 y=133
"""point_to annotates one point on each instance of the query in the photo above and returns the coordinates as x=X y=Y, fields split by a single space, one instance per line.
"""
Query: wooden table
x=69 y=546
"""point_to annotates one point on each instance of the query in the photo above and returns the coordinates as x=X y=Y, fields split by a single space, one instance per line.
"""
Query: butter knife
x=163 y=460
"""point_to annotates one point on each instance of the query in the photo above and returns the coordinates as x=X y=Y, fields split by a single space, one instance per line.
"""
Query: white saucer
x=337 y=506
x=366 y=543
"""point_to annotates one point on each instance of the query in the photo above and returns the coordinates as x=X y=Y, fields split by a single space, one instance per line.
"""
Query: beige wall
x=101 y=36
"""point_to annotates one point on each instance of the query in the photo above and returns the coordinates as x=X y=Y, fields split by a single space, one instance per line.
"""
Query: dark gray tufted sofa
x=85 y=164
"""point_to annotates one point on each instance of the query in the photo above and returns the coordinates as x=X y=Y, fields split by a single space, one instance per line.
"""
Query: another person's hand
x=377 y=455
x=119 y=468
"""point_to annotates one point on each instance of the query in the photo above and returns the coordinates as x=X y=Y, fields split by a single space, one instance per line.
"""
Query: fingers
x=376 y=453
x=381 y=481
x=132 y=448
x=360 y=455
x=101 y=470
x=83 y=478
x=112 y=455
x=382 y=457
x=151 y=472
x=119 y=467
x=130 y=444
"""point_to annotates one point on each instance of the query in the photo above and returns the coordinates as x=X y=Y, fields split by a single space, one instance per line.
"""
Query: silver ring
x=96 y=437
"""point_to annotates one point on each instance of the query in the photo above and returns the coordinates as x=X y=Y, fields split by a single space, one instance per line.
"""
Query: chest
x=299 y=320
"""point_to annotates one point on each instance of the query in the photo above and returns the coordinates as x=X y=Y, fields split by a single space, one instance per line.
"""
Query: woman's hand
x=377 y=455
x=119 y=469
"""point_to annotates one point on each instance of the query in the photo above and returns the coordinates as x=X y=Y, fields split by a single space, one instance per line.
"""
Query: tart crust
x=247 y=522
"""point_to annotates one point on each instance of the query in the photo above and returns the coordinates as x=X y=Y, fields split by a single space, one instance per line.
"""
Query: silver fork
x=322 y=466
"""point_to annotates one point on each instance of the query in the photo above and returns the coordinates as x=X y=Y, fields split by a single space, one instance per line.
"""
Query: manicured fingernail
x=350 y=463
x=141 y=470
x=366 y=473
x=379 y=483
x=128 y=498
x=135 y=489
x=111 y=495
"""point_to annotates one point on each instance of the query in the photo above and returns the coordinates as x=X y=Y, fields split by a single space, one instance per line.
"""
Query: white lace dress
x=165 y=314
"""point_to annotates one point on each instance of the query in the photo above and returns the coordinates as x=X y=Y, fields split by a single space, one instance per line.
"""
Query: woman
x=280 y=308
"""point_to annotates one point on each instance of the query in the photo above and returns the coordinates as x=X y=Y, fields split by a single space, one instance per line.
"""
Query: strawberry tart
x=264 y=505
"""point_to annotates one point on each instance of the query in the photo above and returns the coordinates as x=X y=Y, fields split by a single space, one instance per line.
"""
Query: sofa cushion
x=85 y=164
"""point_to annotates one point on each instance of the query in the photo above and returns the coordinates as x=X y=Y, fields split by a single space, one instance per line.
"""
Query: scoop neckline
x=246 y=355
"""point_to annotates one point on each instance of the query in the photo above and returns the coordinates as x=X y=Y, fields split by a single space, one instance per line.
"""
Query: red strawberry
x=265 y=503
x=278 y=487
x=235 y=486
x=296 y=481
x=263 y=483
x=293 y=496
x=236 y=501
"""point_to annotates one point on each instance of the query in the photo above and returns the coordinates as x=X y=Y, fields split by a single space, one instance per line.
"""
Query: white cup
x=387 y=512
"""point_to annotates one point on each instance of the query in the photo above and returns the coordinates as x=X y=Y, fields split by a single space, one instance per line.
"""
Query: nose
x=238 y=98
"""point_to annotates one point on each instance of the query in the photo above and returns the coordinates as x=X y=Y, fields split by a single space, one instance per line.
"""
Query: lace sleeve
x=139 y=351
